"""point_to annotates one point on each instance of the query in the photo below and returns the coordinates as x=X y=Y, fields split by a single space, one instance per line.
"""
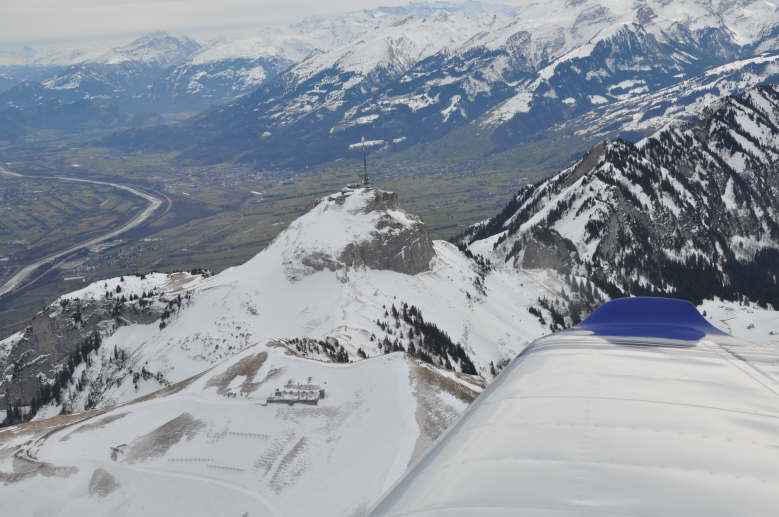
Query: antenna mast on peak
x=365 y=179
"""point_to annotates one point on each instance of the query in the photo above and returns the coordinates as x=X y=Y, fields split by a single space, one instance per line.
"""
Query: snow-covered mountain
x=158 y=49
x=510 y=74
x=689 y=212
x=123 y=70
x=160 y=73
x=637 y=109
x=26 y=56
x=104 y=91
x=488 y=75
x=355 y=277
x=354 y=280
x=153 y=75
x=224 y=69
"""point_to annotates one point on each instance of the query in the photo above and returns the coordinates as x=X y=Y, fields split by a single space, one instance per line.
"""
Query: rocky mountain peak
x=362 y=227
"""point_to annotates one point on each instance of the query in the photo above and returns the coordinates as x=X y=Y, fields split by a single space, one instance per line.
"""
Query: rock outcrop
x=399 y=244
x=57 y=338
x=357 y=228
x=547 y=249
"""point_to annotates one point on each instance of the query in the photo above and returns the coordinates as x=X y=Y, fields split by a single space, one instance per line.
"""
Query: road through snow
x=20 y=277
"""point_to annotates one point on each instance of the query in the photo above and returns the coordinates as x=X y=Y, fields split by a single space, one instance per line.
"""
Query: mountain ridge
x=689 y=211
x=506 y=79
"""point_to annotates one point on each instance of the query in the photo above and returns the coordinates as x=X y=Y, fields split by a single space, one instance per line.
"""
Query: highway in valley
x=25 y=275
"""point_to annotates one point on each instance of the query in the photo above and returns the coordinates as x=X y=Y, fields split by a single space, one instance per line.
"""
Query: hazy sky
x=32 y=21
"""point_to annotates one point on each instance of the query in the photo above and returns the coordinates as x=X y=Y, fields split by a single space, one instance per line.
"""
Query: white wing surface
x=643 y=410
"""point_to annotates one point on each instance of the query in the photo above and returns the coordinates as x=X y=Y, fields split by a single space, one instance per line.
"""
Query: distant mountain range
x=486 y=79
x=160 y=74
x=480 y=78
x=152 y=76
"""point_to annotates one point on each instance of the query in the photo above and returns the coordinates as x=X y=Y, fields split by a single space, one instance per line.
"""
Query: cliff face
x=401 y=242
x=58 y=335
x=356 y=228
x=547 y=249
x=57 y=342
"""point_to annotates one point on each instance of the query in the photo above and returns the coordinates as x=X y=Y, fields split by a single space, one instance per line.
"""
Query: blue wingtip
x=663 y=318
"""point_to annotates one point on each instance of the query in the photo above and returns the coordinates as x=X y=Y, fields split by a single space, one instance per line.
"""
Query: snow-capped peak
x=400 y=43
x=156 y=48
x=246 y=48
x=356 y=227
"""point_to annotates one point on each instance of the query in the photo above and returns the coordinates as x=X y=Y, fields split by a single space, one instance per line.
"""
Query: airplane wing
x=644 y=409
